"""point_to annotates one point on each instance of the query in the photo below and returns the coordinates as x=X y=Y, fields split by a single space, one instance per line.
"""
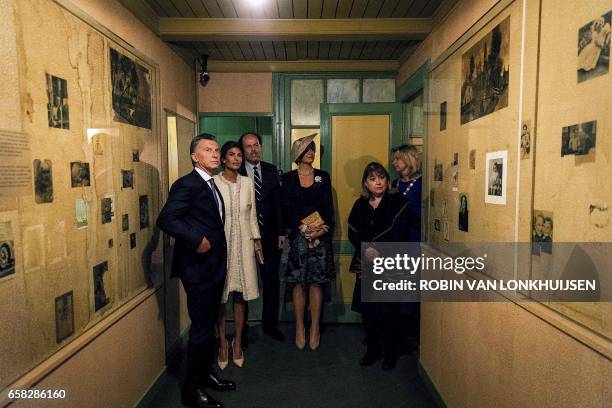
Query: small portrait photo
x=107 y=209
x=438 y=172
x=455 y=177
x=133 y=240
x=443 y=116
x=472 y=159
x=455 y=159
x=464 y=212
x=125 y=222
x=594 y=48
x=144 y=211
x=525 y=140
x=100 y=298
x=127 y=178
x=135 y=155
x=495 y=189
x=578 y=139
x=7 y=249
x=432 y=200
x=79 y=174
x=436 y=224
x=43 y=181
x=64 y=316
x=542 y=232
x=445 y=231
x=57 y=106
x=81 y=213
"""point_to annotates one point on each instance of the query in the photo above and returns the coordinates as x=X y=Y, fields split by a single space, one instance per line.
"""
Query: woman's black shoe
x=369 y=358
x=389 y=361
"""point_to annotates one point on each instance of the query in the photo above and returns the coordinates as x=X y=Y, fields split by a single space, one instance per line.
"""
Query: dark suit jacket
x=190 y=214
x=268 y=206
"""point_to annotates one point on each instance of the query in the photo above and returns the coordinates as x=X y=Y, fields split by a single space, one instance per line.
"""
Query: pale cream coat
x=243 y=274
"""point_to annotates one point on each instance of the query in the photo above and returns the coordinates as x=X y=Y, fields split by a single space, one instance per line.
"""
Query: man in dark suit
x=194 y=216
x=265 y=178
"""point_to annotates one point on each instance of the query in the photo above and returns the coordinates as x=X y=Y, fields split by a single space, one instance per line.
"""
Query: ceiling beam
x=302 y=66
x=144 y=12
x=238 y=29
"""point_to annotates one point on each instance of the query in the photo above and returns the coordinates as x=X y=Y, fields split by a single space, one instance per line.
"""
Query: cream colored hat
x=300 y=145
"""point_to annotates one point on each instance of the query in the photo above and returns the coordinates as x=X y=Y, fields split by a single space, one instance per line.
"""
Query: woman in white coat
x=243 y=237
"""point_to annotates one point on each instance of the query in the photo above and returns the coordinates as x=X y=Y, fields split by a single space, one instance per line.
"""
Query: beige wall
x=116 y=365
x=501 y=354
x=236 y=92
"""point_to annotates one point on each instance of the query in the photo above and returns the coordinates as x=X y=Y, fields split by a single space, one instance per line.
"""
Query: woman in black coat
x=377 y=216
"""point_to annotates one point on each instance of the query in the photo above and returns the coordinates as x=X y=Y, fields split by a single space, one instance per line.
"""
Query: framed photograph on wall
x=496 y=164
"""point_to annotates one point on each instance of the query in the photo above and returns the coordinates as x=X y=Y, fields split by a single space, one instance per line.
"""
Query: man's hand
x=257 y=243
x=204 y=246
x=281 y=241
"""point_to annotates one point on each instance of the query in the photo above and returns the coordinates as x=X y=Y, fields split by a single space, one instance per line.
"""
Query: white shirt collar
x=203 y=174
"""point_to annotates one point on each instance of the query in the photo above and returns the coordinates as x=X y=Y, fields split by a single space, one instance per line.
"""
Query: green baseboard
x=431 y=388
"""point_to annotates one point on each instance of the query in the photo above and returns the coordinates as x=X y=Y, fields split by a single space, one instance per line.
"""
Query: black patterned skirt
x=301 y=265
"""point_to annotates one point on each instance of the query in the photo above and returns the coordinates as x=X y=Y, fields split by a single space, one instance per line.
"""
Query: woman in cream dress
x=242 y=235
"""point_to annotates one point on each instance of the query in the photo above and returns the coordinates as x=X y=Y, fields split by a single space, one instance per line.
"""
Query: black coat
x=298 y=203
x=190 y=214
x=268 y=207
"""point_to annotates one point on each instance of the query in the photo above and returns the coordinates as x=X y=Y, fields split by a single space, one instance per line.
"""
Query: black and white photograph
x=57 y=106
x=125 y=222
x=443 y=116
x=496 y=176
x=445 y=231
x=107 y=208
x=594 y=48
x=472 y=159
x=111 y=243
x=79 y=174
x=464 y=212
x=64 y=316
x=485 y=73
x=455 y=172
x=135 y=155
x=43 y=181
x=131 y=85
x=437 y=226
x=7 y=249
x=578 y=139
x=444 y=206
x=432 y=200
x=144 y=211
x=127 y=178
x=81 y=213
x=100 y=298
x=438 y=172
x=542 y=232
x=133 y=240
x=525 y=140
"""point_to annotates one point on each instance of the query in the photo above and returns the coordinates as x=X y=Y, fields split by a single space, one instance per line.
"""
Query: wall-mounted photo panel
x=43 y=181
x=443 y=116
x=485 y=73
x=57 y=106
x=525 y=139
x=144 y=211
x=496 y=164
x=100 y=298
x=542 y=232
x=81 y=213
x=578 y=139
x=464 y=217
x=79 y=174
x=64 y=316
x=7 y=249
x=594 y=48
x=131 y=85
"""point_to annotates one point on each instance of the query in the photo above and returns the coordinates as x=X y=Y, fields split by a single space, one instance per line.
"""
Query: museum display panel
x=519 y=157
x=80 y=185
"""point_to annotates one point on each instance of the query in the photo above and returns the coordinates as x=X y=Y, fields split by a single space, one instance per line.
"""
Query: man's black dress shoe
x=198 y=398
x=370 y=358
x=274 y=333
x=389 y=361
x=215 y=383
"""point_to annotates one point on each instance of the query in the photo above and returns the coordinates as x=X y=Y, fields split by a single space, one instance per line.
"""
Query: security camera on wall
x=204 y=75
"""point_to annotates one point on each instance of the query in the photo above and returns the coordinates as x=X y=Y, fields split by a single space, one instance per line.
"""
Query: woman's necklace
x=409 y=186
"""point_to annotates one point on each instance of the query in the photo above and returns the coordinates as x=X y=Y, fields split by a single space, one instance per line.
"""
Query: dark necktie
x=257 y=182
x=211 y=181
